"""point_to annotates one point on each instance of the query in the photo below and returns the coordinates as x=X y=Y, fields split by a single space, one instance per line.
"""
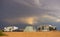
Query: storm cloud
x=30 y=11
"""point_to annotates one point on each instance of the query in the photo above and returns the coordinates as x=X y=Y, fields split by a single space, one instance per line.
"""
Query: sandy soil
x=32 y=34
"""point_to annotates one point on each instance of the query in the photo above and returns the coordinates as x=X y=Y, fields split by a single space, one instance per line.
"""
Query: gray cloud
x=17 y=9
x=31 y=3
x=28 y=8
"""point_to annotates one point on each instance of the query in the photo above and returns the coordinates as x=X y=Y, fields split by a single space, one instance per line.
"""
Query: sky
x=34 y=12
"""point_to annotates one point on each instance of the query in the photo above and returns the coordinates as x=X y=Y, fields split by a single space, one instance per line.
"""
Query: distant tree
x=42 y=27
x=54 y=29
x=39 y=29
x=50 y=28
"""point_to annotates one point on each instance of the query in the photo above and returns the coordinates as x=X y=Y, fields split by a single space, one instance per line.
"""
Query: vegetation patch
x=1 y=33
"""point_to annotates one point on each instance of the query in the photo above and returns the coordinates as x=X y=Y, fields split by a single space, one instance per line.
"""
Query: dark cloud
x=15 y=9
x=46 y=11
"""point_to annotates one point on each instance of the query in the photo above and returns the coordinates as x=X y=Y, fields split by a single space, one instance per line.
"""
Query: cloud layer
x=30 y=11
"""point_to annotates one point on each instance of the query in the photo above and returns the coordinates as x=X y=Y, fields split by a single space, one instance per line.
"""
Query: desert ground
x=32 y=34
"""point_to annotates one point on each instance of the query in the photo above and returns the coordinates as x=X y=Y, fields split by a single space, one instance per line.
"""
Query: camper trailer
x=10 y=28
x=46 y=28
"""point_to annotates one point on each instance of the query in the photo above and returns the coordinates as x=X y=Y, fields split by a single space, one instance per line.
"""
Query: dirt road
x=32 y=34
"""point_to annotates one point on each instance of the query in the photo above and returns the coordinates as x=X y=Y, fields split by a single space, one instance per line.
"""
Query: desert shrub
x=1 y=33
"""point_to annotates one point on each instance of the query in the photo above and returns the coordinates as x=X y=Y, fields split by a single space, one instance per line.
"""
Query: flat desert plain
x=32 y=34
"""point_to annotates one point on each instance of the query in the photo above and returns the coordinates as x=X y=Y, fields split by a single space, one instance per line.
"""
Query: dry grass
x=32 y=34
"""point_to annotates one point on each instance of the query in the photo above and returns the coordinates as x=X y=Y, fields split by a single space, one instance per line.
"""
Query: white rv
x=46 y=28
x=10 y=28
